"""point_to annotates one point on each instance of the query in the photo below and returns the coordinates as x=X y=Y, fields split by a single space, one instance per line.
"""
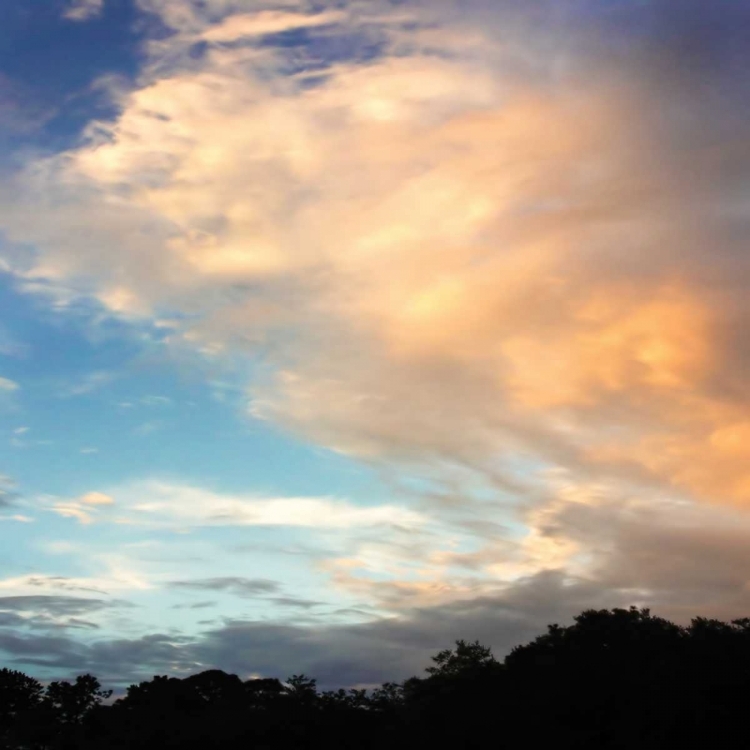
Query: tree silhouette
x=72 y=701
x=18 y=693
x=466 y=657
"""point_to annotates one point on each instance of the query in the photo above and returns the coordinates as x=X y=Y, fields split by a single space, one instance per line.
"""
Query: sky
x=332 y=331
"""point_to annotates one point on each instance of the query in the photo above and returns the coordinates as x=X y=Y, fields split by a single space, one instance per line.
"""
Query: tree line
x=613 y=679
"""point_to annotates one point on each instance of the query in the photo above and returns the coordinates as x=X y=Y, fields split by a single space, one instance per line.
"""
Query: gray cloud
x=116 y=662
x=291 y=601
x=197 y=605
x=10 y=619
x=56 y=606
x=646 y=562
x=377 y=651
x=245 y=587
x=60 y=582
x=8 y=494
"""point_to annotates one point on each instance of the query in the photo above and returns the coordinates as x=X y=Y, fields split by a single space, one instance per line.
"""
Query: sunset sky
x=334 y=330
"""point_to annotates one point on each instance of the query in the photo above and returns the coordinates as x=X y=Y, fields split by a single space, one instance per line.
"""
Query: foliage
x=464 y=658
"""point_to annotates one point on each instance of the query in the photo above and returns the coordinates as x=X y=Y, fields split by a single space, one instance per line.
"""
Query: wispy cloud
x=161 y=504
x=9 y=346
x=8 y=385
x=88 y=383
x=83 y=10
x=85 y=508
x=8 y=493
x=96 y=498
x=156 y=401
x=248 y=587
x=267 y=22
x=148 y=427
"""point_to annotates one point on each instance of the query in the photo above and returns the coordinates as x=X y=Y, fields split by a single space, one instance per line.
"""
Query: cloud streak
x=162 y=504
x=83 y=10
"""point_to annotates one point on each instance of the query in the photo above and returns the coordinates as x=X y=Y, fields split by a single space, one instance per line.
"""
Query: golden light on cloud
x=474 y=257
x=96 y=498
x=623 y=344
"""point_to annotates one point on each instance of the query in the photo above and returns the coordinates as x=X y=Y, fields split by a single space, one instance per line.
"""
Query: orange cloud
x=468 y=261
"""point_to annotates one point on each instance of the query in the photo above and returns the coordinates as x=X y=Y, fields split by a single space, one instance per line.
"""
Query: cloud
x=90 y=382
x=296 y=603
x=584 y=547
x=20 y=112
x=85 y=508
x=249 y=587
x=73 y=510
x=57 y=582
x=7 y=491
x=641 y=557
x=83 y=10
x=501 y=256
x=195 y=605
x=96 y=498
x=53 y=614
x=147 y=428
x=156 y=401
x=8 y=385
x=53 y=605
x=365 y=653
x=160 y=504
x=113 y=575
x=9 y=346
x=267 y=22
x=476 y=247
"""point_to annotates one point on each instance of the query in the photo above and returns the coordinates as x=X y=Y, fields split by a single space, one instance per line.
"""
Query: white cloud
x=115 y=574
x=96 y=498
x=20 y=430
x=73 y=510
x=8 y=385
x=83 y=10
x=155 y=503
x=267 y=22
x=90 y=382
x=84 y=509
